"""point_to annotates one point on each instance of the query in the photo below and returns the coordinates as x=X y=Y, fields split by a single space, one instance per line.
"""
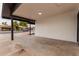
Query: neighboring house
x=56 y=21
x=5 y=28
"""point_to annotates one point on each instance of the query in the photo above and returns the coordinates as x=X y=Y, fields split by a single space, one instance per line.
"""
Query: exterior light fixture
x=39 y=13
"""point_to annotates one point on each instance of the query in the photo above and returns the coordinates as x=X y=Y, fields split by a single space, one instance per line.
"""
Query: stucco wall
x=61 y=27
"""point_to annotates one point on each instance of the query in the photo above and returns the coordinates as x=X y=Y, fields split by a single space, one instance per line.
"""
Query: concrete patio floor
x=25 y=45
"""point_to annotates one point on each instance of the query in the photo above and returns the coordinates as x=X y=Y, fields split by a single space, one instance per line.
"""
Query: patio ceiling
x=37 y=11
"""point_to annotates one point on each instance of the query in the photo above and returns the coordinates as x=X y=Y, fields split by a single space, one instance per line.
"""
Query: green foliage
x=4 y=23
x=15 y=23
x=16 y=26
x=24 y=24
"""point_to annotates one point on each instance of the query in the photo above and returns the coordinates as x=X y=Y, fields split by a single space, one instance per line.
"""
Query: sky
x=3 y=20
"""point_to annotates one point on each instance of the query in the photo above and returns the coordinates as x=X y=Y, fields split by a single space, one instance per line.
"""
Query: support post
x=78 y=28
x=30 y=29
x=12 y=34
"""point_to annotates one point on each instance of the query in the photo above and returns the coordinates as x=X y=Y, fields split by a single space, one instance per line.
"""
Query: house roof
x=29 y=12
x=5 y=26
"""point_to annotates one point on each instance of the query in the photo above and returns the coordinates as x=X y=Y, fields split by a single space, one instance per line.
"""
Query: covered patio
x=22 y=44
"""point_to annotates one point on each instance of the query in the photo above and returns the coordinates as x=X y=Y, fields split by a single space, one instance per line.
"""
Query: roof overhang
x=9 y=8
x=32 y=10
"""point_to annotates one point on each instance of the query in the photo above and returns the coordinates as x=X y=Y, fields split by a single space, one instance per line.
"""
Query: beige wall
x=62 y=26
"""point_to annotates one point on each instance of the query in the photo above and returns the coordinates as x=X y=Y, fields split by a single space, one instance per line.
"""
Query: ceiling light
x=39 y=13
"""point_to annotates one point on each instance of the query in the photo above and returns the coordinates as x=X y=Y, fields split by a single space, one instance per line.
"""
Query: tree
x=24 y=24
x=4 y=23
x=16 y=26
